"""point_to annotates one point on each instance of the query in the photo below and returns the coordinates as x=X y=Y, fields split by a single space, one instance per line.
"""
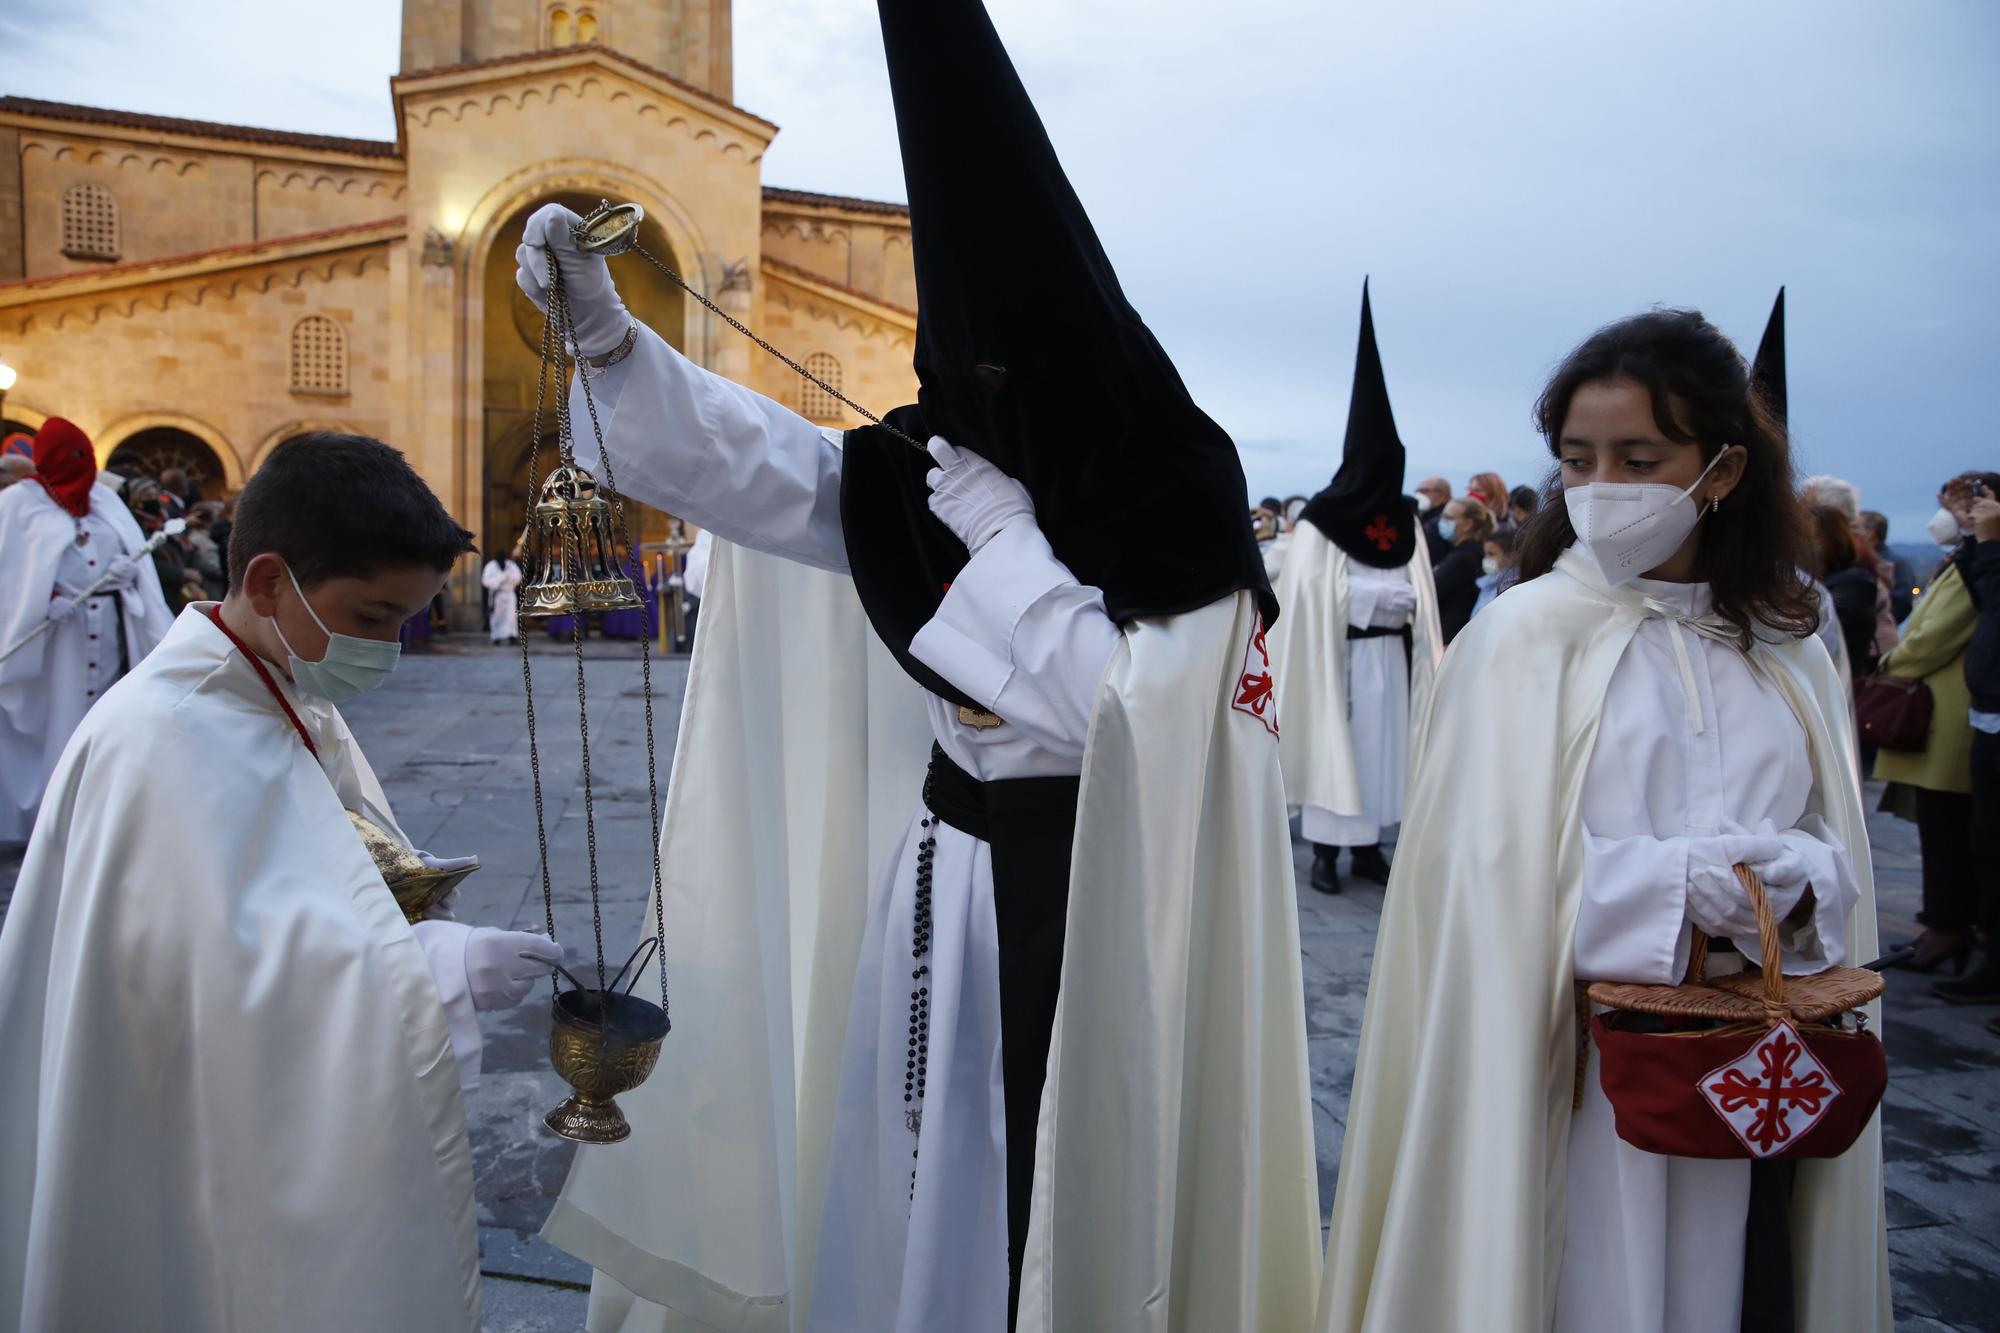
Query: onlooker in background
x=1979 y=566
x=174 y=493
x=1498 y=565
x=1939 y=776
x=142 y=497
x=1843 y=496
x=15 y=467
x=1268 y=523
x=1851 y=587
x=1433 y=493
x=1466 y=525
x=1492 y=493
x=225 y=520
x=1294 y=506
x=1522 y=504
x=1902 y=578
x=204 y=556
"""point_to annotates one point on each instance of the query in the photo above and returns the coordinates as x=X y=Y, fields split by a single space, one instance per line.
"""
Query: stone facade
x=236 y=286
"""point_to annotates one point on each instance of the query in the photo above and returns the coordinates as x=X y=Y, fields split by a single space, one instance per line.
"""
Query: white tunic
x=501 y=578
x=1654 y=1243
x=47 y=687
x=1378 y=693
x=1016 y=632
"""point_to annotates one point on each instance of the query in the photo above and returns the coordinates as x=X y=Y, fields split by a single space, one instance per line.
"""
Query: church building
x=193 y=293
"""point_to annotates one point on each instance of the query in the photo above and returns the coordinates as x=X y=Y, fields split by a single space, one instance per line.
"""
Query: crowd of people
x=979 y=894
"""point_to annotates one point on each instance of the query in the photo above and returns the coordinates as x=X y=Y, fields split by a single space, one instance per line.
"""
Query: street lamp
x=6 y=383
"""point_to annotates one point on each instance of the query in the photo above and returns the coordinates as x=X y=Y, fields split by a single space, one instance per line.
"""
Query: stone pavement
x=446 y=737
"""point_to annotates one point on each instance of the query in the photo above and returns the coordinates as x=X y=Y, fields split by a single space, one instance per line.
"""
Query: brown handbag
x=1755 y=1064
x=1894 y=712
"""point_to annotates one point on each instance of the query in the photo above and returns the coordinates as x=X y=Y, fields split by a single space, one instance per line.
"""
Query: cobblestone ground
x=446 y=737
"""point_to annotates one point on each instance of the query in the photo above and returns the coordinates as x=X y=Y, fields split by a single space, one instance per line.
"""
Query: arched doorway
x=157 y=448
x=512 y=341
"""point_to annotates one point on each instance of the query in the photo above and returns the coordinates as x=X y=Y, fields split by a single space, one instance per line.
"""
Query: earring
x=1715 y=504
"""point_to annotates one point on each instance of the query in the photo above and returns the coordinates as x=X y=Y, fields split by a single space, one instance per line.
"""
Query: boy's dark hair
x=341 y=506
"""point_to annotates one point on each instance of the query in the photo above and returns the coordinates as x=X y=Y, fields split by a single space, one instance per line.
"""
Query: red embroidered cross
x=1254 y=687
x=1381 y=532
x=1778 y=1099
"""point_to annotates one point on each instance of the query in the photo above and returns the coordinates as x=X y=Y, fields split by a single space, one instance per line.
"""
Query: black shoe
x=1369 y=864
x=1981 y=987
x=1935 y=949
x=1326 y=869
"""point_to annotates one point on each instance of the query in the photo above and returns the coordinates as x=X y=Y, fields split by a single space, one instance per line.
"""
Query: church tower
x=686 y=39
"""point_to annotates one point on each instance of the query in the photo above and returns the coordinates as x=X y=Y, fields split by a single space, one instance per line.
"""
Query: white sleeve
x=1631 y=916
x=1017 y=632
x=1820 y=942
x=708 y=450
x=444 y=948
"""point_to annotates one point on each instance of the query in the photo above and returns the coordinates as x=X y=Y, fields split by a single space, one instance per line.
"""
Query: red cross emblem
x=1254 y=688
x=1773 y=1093
x=1381 y=532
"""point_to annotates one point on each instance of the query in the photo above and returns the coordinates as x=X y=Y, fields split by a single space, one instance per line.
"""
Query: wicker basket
x=1755 y=1064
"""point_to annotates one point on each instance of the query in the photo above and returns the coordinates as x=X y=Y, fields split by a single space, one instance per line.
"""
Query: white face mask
x=1627 y=528
x=349 y=667
x=1423 y=503
x=1943 y=528
x=1490 y=565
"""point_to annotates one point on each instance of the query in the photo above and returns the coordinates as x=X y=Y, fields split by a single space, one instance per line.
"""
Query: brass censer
x=603 y=1040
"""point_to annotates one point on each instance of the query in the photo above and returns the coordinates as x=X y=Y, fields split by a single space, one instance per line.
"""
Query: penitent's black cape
x=1029 y=355
x=1364 y=511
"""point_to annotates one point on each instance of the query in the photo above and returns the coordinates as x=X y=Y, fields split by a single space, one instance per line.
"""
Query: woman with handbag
x=1667 y=721
x=1936 y=775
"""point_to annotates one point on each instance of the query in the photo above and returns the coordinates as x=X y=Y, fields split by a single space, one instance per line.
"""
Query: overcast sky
x=1511 y=175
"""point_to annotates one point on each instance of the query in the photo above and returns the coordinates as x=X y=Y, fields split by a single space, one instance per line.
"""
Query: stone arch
x=114 y=437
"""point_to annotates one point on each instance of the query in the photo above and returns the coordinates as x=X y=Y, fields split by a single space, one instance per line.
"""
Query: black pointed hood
x=1029 y=354
x=1767 y=372
x=1364 y=512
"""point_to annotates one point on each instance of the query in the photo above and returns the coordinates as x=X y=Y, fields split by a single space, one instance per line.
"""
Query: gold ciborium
x=602 y=1042
x=417 y=887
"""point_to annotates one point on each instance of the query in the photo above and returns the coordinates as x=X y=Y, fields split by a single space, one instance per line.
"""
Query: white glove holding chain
x=598 y=316
x=496 y=974
x=62 y=607
x=1716 y=901
x=123 y=573
x=971 y=496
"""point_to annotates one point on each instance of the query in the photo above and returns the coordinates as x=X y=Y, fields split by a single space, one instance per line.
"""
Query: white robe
x=1455 y=1175
x=46 y=688
x=1655 y=1243
x=1349 y=705
x=1017 y=633
x=230 y=1097
x=501 y=578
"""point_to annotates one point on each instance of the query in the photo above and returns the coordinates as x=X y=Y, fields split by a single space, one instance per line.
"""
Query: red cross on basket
x=1773 y=1093
x=1381 y=532
x=1254 y=688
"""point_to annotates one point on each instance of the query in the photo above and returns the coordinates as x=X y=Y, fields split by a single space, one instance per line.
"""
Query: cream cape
x=229 y=1097
x=1309 y=668
x=1175 y=1184
x=1450 y=1208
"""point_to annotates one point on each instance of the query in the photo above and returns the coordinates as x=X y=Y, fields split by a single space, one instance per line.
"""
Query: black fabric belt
x=1029 y=824
x=1380 y=632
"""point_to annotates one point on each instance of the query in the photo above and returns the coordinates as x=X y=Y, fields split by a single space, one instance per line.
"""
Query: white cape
x=1175 y=1181
x=228 y=1099
x=1450 y=1207
x=1309 y=668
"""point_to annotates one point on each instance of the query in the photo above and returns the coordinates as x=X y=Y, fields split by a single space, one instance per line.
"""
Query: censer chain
x=798 y=369
x=521 y=637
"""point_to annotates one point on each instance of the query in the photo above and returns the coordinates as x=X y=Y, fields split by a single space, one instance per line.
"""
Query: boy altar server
x=231 y=1070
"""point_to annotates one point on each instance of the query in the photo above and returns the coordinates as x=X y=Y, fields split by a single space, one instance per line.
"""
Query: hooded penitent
x=1364 y=511
x=65 y=465
x=1767 y=372
x=1029 y=355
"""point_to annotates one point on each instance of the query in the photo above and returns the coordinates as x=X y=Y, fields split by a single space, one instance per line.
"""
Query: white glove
x=122 y=574
x=496 y=974
x=598 y=316
x=1396 y=601
x=971 y=496
x=1716 y=901
x=62 y=607
x=445 y=908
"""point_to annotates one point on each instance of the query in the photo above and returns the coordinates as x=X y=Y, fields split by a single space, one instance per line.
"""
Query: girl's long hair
x=1751 y=548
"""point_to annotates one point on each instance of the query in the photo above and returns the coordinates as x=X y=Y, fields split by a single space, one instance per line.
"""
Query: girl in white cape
x=1669 y=714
